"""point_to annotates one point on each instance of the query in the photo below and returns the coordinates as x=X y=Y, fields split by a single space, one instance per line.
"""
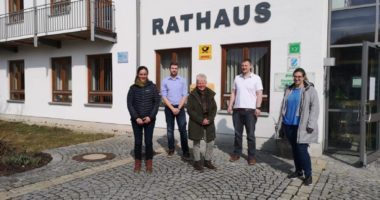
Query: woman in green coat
x=201 y=107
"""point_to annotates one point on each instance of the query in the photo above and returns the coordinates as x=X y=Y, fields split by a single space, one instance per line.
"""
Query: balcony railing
x=59 y=18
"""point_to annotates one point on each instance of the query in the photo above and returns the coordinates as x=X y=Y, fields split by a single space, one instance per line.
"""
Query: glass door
x=343 y=96
x=370 y=103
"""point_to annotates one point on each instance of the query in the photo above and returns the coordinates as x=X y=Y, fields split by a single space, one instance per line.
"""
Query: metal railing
x=62 y=17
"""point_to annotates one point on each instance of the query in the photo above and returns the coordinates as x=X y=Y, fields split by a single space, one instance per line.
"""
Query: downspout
x=92 y=19
x=138 y=38
x=327 y=83
x=35 y=23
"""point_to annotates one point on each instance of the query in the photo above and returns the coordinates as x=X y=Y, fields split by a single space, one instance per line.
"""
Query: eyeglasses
x=297 y=76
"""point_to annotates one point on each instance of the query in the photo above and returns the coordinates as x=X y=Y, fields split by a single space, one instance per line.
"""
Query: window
x=353 y=25
x=61 y=68
x=233 y=55
x=60 y=7
x=103 y=15
x=100 y=79
x=337 y=4
x=16 y=13
x=17 y=80
x=165 y=57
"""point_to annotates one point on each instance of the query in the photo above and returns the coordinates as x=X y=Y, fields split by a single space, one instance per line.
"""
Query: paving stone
x=173 y=178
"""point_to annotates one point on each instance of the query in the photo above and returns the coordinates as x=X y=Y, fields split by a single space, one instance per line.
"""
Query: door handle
x=367 y=118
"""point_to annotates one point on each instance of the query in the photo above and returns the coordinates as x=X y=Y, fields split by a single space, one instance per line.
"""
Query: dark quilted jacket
x=143 y=101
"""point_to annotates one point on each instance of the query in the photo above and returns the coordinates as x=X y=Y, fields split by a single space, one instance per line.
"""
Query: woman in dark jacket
x=201 y=107
x=143 y=101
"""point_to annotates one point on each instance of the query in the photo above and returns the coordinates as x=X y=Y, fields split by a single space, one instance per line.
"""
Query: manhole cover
x=93 y=157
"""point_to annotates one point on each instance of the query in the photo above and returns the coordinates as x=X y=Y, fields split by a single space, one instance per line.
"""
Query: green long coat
x=194 y=109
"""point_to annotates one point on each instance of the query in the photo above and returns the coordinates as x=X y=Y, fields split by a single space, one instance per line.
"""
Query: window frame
x=174 y=55
x=66 y=63
x=104 y=15
x=102 y=93
x=19 y=93
x=61 y=7
x=265 y=76
x=17 y=15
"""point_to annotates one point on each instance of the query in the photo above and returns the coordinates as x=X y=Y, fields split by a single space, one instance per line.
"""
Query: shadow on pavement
x=271 y=150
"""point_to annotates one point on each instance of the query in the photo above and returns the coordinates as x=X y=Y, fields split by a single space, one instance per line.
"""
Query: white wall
x=298 y=21
x=38 y=74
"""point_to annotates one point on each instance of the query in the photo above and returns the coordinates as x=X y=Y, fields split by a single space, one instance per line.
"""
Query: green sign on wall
x=294 y=48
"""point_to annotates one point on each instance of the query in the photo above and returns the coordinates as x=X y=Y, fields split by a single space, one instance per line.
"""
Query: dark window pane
x=336 y=4
x=361 y=2
x=353 y=26
x=100 y=79
x=344 y=93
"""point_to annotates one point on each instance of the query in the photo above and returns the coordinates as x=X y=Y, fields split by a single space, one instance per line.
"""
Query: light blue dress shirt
x=174 y=89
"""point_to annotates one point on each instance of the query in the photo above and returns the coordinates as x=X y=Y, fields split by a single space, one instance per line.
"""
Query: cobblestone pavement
x=173 y=178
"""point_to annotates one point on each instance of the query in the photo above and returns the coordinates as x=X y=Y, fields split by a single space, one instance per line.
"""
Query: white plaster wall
x=298 y=21
x=38 y=74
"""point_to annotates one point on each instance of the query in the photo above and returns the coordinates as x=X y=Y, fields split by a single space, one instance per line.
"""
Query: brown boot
x=209 y=165
x=198 y=166
x=137 y=168
x=149 y=166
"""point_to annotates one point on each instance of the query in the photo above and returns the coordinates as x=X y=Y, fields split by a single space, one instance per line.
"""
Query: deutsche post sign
x=205 y=52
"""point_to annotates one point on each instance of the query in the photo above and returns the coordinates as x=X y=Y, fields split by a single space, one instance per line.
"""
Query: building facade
x=75 y=60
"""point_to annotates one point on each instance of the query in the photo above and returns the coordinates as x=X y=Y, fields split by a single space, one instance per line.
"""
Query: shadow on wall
x=222 y=127
x=17 y=109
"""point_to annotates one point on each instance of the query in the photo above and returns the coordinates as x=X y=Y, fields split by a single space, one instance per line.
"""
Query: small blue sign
x=294 y=62
x=122 y=57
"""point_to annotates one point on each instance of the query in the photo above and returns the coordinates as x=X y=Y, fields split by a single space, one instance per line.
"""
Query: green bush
x=21 y=160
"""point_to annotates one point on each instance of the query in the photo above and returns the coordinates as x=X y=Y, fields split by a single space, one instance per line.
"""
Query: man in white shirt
x=245 y=105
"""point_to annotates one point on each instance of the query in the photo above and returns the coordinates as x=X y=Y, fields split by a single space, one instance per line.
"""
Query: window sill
x=98 y=105
x=224 y=112
x=15 y=101
x=60 y=103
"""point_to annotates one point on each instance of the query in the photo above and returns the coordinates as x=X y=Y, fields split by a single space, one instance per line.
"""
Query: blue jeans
x=244 y=118
x=300 y=154
x=181 y=122
x=138 y=131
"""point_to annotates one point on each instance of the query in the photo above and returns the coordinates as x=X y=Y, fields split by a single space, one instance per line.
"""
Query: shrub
x=21 y=160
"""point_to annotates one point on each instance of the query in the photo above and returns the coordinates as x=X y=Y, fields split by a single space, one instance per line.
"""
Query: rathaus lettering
x=203 y=20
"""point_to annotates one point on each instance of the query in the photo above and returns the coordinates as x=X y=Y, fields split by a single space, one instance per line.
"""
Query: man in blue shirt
x=174 y=94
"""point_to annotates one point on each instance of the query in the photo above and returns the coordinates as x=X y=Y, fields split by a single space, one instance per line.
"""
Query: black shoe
x=296 y=174
x=308 y=180
x=186 y=157
x=209 y=165
x=198 y=166
x=170 y=152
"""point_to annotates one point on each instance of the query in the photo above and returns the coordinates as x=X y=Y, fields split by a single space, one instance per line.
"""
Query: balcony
x=51 y=24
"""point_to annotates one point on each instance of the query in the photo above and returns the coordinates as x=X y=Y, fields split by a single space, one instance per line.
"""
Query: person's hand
x=229 y=109
x=205 y=121
x=309 y=130
x=175 y=111
x=139 y=121
x=257 y=112
x=147 y=120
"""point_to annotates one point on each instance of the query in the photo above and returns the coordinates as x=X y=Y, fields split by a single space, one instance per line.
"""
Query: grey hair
x=201 y=77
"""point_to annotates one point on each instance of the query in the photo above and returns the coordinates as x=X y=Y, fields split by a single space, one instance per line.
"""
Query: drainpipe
x=92 y=19
x=138 y=38
x=35 y=23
